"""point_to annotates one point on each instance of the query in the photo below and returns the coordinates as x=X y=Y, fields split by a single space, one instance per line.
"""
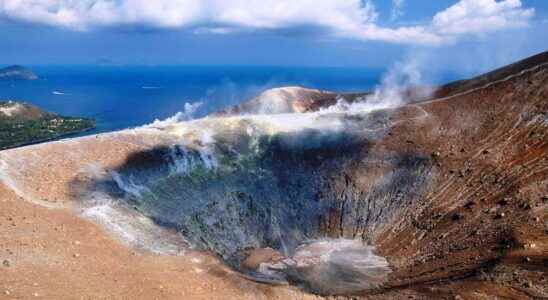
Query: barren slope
x=452 y=192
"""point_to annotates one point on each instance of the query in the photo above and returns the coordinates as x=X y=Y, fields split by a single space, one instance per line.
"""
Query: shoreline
x=56 y=138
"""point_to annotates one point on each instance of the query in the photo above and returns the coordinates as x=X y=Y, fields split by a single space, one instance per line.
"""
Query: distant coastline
x=56 y=138
x=17 y=73
x=109 y=93
x=22 y=124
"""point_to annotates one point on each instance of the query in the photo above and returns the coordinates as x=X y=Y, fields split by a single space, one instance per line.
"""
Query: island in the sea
x=17 y=73
x=23 y=124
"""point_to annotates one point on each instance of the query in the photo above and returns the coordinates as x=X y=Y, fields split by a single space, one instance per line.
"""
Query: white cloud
x=397 y=9
x=355 y=19
x=260 y=14
x=479 y=16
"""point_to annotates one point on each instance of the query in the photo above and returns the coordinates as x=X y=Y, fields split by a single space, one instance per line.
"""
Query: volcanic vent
x=256 y=188
x=444 y=193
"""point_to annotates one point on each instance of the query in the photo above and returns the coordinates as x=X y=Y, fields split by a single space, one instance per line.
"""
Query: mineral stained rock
x=315 y=202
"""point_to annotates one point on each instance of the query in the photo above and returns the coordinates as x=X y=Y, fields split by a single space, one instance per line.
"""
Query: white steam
x=267 y=118
x=394 y=90
x=332 y=266
x=277 y=111
x=187 y=114
x=127 y=185
x=132 y=227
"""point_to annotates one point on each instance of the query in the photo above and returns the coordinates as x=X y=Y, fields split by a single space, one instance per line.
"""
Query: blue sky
x=467 y=35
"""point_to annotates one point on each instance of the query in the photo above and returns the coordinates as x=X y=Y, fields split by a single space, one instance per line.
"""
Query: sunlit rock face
x=284 y=100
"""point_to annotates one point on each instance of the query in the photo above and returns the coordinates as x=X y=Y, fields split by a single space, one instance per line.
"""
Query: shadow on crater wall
x=278 y=192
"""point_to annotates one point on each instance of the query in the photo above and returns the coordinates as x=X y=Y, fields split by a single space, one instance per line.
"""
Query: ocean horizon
x=121 y=97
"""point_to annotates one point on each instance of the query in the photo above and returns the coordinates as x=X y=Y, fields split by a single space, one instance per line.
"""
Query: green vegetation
x=22 y=130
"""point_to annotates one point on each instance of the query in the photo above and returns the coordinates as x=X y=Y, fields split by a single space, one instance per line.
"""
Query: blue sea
x=125 y=97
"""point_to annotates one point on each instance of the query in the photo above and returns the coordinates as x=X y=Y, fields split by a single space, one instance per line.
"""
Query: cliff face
x=17 y=73
x=485 y=205
x=448 y=195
